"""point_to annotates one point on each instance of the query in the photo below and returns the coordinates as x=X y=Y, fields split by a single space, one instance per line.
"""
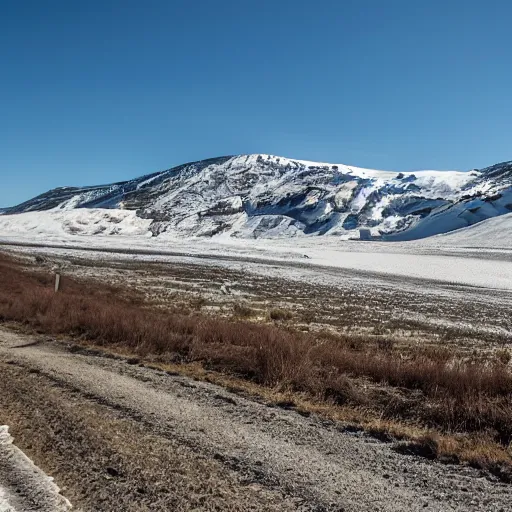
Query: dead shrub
x=308 y=317
x=379 y=329
x=243 y=310
x=503 y=356
x=280 y=314
x=197 y=303
x=385 y=344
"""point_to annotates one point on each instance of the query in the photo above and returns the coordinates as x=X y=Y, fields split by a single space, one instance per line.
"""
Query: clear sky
x=95 y=91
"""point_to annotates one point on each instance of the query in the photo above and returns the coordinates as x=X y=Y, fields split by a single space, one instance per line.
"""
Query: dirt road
x=118 y=436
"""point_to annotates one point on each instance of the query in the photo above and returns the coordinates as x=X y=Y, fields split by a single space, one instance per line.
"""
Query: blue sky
x=98 y=91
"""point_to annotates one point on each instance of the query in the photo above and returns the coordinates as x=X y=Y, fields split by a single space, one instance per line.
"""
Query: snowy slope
x=75 y=222
x=494 y=233
x=259 y=196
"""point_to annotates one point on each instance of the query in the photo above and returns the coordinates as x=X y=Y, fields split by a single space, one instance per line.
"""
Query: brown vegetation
x=243 y=310
x=432 y=388
x=280 y=314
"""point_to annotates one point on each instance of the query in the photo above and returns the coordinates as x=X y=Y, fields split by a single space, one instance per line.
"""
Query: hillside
x=259 y=196
x=494 y=233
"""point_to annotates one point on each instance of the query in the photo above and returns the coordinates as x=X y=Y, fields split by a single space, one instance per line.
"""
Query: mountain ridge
x=270 y=196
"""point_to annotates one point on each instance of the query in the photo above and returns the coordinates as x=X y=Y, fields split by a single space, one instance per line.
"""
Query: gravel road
x=118 y=436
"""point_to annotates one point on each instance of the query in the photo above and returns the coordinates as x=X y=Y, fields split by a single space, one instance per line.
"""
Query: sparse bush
x=379 y=329
x=280 y=314
x=197 y=303
x=385 y=344
x=451 y=334
x=308 y=317
x=503 y=356
x=243 y=311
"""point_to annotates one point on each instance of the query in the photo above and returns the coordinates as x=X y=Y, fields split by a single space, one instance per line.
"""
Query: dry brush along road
x=117 y=436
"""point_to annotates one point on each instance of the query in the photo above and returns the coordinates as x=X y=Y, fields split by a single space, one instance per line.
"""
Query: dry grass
x=432 y=388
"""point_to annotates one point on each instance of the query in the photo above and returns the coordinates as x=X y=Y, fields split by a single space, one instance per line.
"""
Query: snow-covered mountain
x=269 y=196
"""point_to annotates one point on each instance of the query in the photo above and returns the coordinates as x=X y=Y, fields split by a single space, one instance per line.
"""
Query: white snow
x=28 y=475
x=493 y=233
x=459 y=216
x=417 y=259
x=149 y=180
x=4 y=503
x=75 y=222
